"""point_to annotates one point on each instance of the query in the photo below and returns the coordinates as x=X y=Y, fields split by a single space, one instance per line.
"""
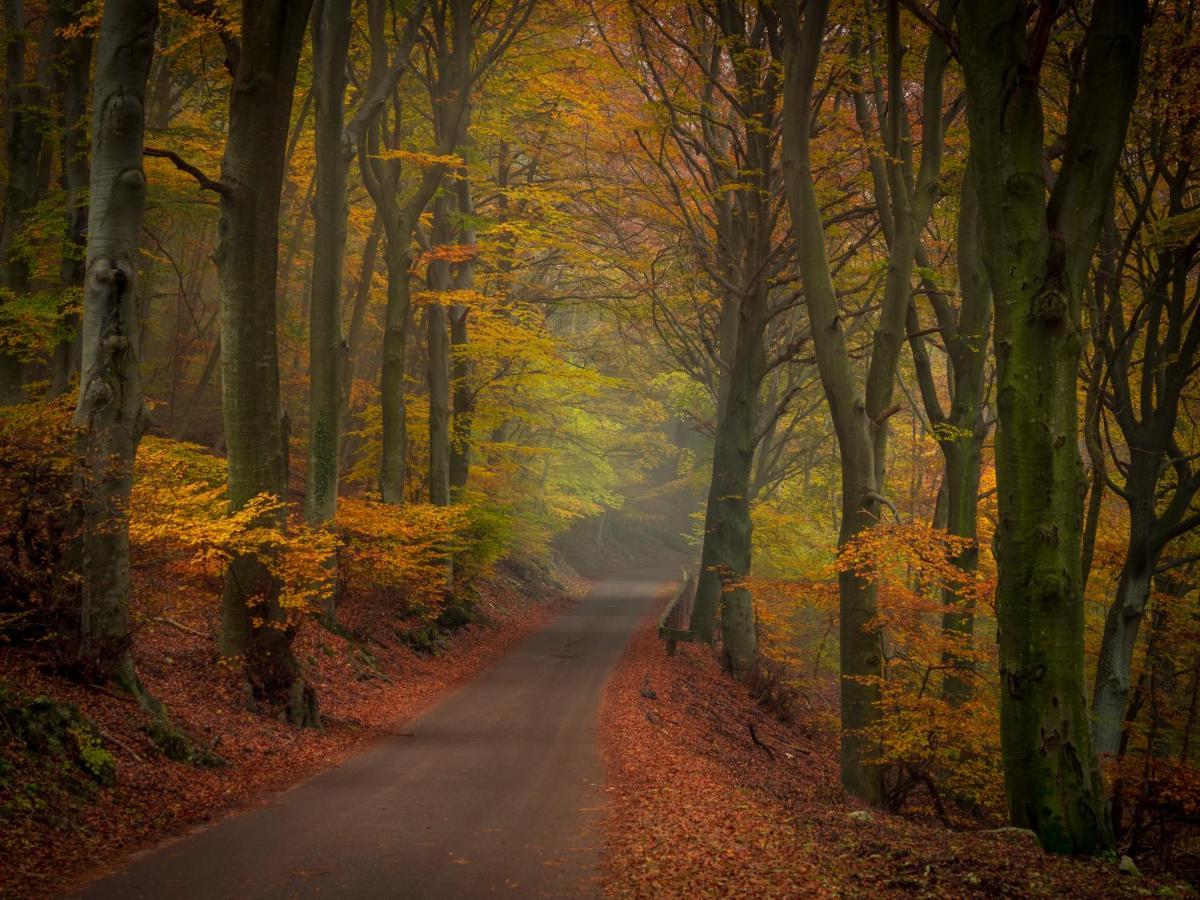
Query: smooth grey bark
x=1038 y=251
x=438 y=346
x=255 y=629
x=110 y=412
x=23 y=133
x=961 y=431
x=331 y=46
x=726 y=553
x=73 y=78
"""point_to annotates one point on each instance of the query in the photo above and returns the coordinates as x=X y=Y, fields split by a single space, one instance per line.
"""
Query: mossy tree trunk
x=461 y=367
x=437 y=336
x=1038 y=252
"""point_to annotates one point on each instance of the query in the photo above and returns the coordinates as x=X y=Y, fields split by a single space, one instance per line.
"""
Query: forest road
x=498 y=791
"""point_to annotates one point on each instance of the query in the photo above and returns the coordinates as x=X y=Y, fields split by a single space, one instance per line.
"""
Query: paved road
x=496 y=793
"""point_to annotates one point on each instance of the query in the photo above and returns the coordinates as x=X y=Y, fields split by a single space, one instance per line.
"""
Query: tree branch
x=208 y=184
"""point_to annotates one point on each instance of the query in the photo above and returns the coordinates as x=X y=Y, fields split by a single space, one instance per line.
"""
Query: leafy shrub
x=928 y=740
x=180 y=517
x=36 y=502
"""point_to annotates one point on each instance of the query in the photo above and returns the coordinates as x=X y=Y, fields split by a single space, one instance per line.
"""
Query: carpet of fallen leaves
x=365 y=690
x=700 y=809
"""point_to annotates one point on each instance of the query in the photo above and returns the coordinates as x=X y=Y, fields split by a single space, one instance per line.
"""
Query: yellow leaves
x=469 y=299
x=422 y=159
x=32 y=323
x=179 y=511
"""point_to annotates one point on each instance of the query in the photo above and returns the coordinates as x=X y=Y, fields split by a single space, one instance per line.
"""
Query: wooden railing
x=674 y=625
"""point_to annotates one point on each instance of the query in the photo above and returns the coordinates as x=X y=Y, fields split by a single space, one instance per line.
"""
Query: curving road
x=497 y=791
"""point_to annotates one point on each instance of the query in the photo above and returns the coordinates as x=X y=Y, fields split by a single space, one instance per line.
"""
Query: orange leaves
x=401 y=549
x=929 y=735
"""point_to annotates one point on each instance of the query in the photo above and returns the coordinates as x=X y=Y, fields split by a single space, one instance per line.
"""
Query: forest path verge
x=496 y=789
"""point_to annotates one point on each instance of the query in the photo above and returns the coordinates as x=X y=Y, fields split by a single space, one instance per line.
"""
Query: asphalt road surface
x=496 y=793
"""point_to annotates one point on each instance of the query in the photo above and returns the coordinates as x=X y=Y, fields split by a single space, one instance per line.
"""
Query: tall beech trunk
x=73 y=79
x=331 y=45
x=358 y=312
x=961 y=431
x=254 y=627
x=1147 y=361
x=460 y=367
x=110 y=413
x=463 y=399
x=381 y=175
x=397 y=258
x=1038 y=252
x=725 y=556
x=859 y=411
x=747 y=249
x=1111 y=696
x=437 y=335
x=23 y=102
x=438 y=346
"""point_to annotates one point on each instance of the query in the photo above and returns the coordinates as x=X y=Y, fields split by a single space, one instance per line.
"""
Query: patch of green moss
x=458 y=614
x=175 y=744
x=93 y=758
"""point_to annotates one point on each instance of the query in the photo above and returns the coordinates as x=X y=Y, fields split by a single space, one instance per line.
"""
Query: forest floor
x=56 y=830
x=702 y=806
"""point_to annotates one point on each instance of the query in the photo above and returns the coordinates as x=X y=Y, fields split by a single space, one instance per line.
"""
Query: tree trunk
x=461 y=368
x=110 y=413
x=962 y=441
x=254 y=627
x=1037 y=255
x=395 y=340
x=331 y=45
x=725 y=558
x=358 y=313
x=438 y=372
x=382 y=178
x=859 y=414
x=1110 y=698
x=75 y=69
x=464 y=402
x=439 y=404
x=23 y=103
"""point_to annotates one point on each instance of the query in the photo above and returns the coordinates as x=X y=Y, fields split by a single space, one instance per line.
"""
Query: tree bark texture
x=110 y=412
x=1037 y=253
x=254 y=627
x=331 y=45
x=22 y=104
x=73 y=80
